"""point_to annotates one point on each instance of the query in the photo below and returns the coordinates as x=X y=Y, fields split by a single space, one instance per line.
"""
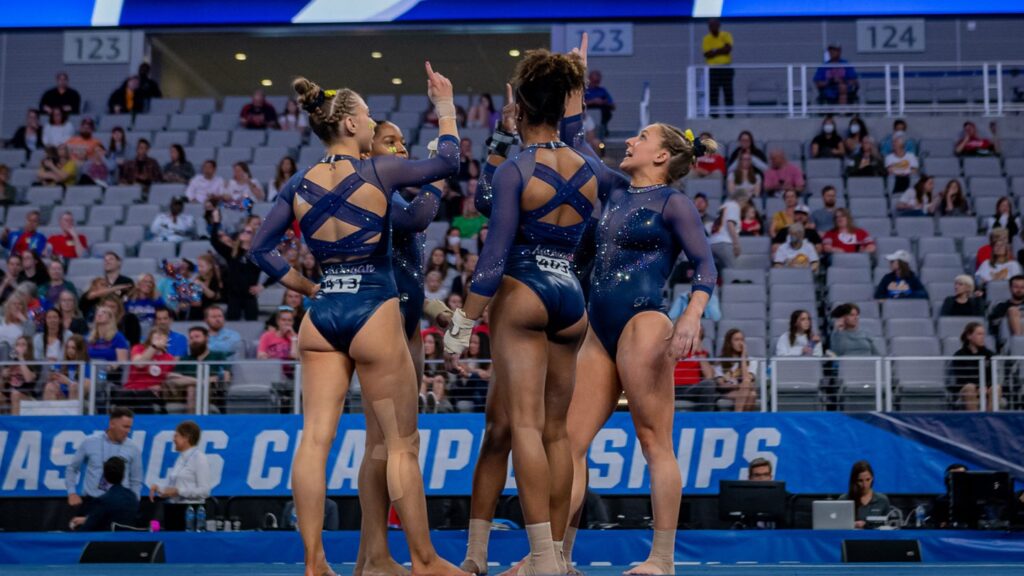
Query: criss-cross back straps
x=334 y=204
x=566 y=191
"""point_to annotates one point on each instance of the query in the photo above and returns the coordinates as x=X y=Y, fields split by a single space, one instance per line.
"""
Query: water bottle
x=190 y=519
x=919 y=516
x=293 y=519
x=201 y=518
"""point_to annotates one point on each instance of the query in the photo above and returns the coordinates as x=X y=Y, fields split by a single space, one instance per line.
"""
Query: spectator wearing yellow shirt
x=717 y=48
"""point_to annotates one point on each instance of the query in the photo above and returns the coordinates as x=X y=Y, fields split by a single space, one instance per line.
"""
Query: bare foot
x=390 y=567
x=439 y=567
x=650 y=568
x=473 y=567
x=571 y=570
x=514 y=570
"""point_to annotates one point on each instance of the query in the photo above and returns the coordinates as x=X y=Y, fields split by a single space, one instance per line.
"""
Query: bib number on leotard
x=345 y=284
x=551 y=265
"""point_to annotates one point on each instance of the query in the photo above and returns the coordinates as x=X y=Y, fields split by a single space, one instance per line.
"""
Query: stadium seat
x=985 y=205
x=166 y=139
x=58 y=211
x=889 y=244
x=982 y=167
x=151 y=122
x=12 y=158
x=929 y=275
x=158 y=250
x=108 y=122
x=184 y=122
x=380 y=104
x=210 y=138
x=228 y=156
x=142 y=215
x=899 y=327
x=755 y=245
x=744 y=311
x=269 y=155
x=133 y=267
x=988 y=186
x=942 y=260
x=122 y=195
x=731 y=275
x=732 y=293
x=165 y=106
x=100 y=248
x=192 y=249
x=946 y=166
x=935 y=244
x=45 y=195
x=131 y=234
x=248 y=138
x=284 y=139
x=105 y=215
x=161 y=194
x=953 y=326
x=710 y=187
x=865 y=187
x=792 y=293
x=789 y=276
x=822 y=167
x=90 y=267
x=859 y=380
x=868 y=208
x=797 y=383
x=958 y=227
x=1014 y=166
x=876 y=226
x=919 y=384
x=859 y=261
x=843 y=292
x=199 y=106
x=786 y=309
x=871 y=326
x=915 y=227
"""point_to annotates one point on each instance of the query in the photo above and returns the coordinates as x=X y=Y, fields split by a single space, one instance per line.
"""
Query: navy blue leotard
x=408 y=221
x=520 y=245
x=639 y=238
x=358 y=271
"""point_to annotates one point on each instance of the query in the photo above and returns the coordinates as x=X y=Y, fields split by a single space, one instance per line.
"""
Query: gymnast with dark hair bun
x=343 y=205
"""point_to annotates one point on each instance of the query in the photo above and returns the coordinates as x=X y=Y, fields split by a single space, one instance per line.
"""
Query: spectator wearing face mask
x=827 y=144
x=797 y=252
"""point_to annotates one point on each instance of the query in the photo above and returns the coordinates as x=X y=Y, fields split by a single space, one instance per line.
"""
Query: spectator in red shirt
x=258 y=114
x=846 y=237
x=26 y=239
x=695 y=378
x=69 y=243
x=708 y=164
x=972 y=144
x=146 y=375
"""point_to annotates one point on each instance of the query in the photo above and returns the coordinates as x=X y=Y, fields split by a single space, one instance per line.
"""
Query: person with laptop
x=866 y=501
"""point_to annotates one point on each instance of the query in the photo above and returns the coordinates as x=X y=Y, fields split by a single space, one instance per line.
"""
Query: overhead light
x=240 y=56
x=396 y=81
x=514 y=53
x=376 y=55
x=266 y=82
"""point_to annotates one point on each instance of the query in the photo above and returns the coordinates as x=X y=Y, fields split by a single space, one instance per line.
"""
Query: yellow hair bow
x=330 y=93
x=689 y=134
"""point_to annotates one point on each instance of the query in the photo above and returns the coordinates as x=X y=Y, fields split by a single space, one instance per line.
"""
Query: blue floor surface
x=681 y=570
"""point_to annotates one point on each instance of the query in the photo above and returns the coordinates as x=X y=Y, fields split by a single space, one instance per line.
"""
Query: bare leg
x=969 y=394
x=646 y=372
x=325 y=379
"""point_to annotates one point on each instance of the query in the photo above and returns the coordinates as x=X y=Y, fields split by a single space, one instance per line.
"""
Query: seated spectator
x=847 y=338
x=221 y=338
x=470 y=221
x=179 y=170
x=69 y=243
x=713 y=310
x=900 y=282
x=700 y=201
x=801 y=216
x=82 y=145
x=856 y=132
x=243 y=185
x=63 y=380
x=999 y=266
x=782 y=175
x=599 y=98
x=899 y=131
x=177 y=343
x=189 y=477
x=745 y=143
x=48 y=343
x=280 y=341
x=745 y=177
x=736 y=379
x=151 y=363
x=15 y=320
x=783 y=218
x=148 y=88
x=750 y=225
x=258 y=114
x=837 y=84
x=439 y=261
x=796 y=252
x=10 y=277
x=57 y=168
x=709 y=165
x=208 y=279
x=30 y=136
x=51 y=291
x=846 y=237
x=482 y=114
x=71 y=317
x=97 y=169
x=963 y=302
x=470 y=390
x=144 y=299
x=61 y=97
x=58 y=131
x=985 y=252
x=800 y=339
x=760 y=470
x=725 y=231
x=972 y=144
x=901 y=164
x=117 y=505
x=695 y=378
x=1010 y=309
x=823 y=219
x=293 y=119
x=106 y=343
x=126 y=99
x=184 y=378
x=460 y=284
x=953 y=202
x=33 y=271
x=142 y=169
x=27 y=239
x=285 y=170
x=173 y=226
x=828 y=143
x=18 y=380
x=866 y=502
x=127 y=322
x=866 y=161
x=434 y=288
x=1003 y=218
x=434 y=380
x=117 y=150
x=917 y=201
x=469 y=166
x=8 y=193
x=206 y=185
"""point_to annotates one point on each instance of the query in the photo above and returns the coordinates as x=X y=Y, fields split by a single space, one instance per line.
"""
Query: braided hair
x=326 y=108
x=684 y=149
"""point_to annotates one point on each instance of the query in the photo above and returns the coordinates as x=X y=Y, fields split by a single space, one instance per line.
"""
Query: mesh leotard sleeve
x=416 y=215
x=682 y=215
x=485 y=190
x=264 y=244
x=393 y=172
x=571 y=132
x=508 y=191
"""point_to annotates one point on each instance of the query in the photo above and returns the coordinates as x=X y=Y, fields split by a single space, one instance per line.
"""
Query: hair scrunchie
x=698 y=147
x=315 y=103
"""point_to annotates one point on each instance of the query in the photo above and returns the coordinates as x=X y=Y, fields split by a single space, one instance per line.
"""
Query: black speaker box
x=874 y=551
x=123 y=553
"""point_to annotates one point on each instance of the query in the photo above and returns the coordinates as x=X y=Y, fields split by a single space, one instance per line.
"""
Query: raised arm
x=264 y=244
x=498 y=147
x=416 y=215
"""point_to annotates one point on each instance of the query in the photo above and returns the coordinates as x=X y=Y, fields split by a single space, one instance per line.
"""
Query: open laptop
x=833 y=515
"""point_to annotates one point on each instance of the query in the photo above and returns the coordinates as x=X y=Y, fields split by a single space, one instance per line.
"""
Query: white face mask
x=454 y=241
x=828 y=128
x=898 y=134
x=855 y=129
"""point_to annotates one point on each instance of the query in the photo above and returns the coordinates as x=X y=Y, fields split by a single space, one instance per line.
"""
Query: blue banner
x=812 y=452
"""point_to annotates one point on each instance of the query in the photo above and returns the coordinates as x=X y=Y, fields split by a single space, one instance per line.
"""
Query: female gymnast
x=343 y=205
x=408 y=221
x=542 y=200
x=631 y=345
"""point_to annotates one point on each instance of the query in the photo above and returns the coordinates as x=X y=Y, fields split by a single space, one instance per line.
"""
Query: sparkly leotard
x=639 y=238
x=358 y=271
x=408 y=221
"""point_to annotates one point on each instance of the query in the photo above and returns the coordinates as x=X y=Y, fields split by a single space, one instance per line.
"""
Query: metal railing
x=892 y=89
x=772 y=384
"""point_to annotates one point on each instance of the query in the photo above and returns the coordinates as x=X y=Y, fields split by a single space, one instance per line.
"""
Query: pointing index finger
x=430 y=69
x=508 y=93
x=584 y=42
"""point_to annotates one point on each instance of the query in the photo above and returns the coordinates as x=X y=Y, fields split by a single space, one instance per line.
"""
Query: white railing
x=892 y=89
x=865 y=383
